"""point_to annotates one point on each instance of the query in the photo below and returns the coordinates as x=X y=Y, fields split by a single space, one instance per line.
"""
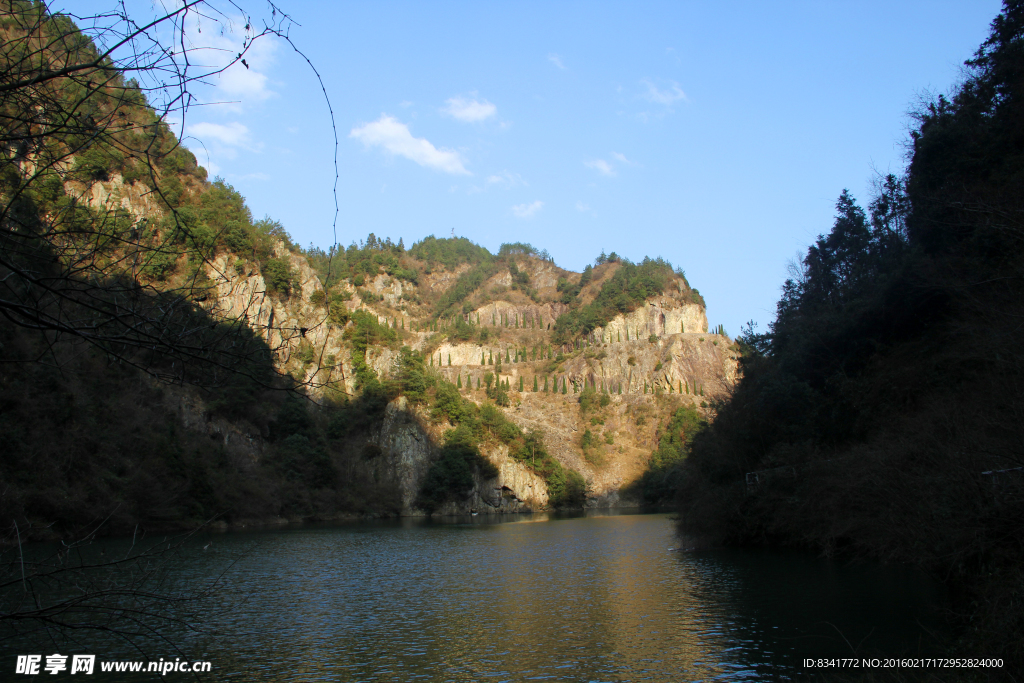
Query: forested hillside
x=880 y=413
x=169 y=360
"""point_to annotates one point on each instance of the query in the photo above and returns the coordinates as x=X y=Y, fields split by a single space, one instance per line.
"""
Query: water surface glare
x=597 y=598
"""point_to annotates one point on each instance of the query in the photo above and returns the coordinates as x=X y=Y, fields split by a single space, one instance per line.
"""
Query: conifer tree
x=545 y=384
x=520 y=383
x=620 y=388
x=431 y=360
x=449 y=360
x=565 y=389
x=483 y=361
x=506 y=355
x=478 y=383
x=490 y=358
x=535 y=384
x=458 y=383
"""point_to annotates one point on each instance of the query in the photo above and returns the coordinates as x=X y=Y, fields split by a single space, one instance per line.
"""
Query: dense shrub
x=279 y=276
x=448 y=252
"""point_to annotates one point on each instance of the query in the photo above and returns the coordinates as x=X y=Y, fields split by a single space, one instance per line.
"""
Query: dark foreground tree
x=108 y=227
x=880 y=415
x=108 y=230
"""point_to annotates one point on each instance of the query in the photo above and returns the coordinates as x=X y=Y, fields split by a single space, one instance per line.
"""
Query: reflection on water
x=597 y=598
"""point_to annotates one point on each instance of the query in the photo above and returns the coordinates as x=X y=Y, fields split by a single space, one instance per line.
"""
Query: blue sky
x=716 y=135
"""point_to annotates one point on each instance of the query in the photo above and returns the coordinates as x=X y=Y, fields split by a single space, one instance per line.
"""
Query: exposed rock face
x=440 y=280
x=659 y=317
x=642 y=366
x=631 y=421
x=242 y=442
x=286 y=322
x=515 y=489
x=407 y=444
x=406 y=451
x=389 y=288
x=135 y=198
x=540 y=315
x=695 y=360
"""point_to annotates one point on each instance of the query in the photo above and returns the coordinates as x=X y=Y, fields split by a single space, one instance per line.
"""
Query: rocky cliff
x=648 y=361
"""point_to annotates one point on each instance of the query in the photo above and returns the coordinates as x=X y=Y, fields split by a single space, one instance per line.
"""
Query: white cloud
x=506 y=179
x=245 y=84
x=601 y=166
x=621 y=158
x=527 y=210
x=394 y=136
x=580 y=206
x=669 y=96
x=556 y=60
x=469 y=111
x=239 y=83
x=234 y=134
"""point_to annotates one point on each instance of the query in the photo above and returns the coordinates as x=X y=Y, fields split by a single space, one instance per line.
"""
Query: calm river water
x=595 y=598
